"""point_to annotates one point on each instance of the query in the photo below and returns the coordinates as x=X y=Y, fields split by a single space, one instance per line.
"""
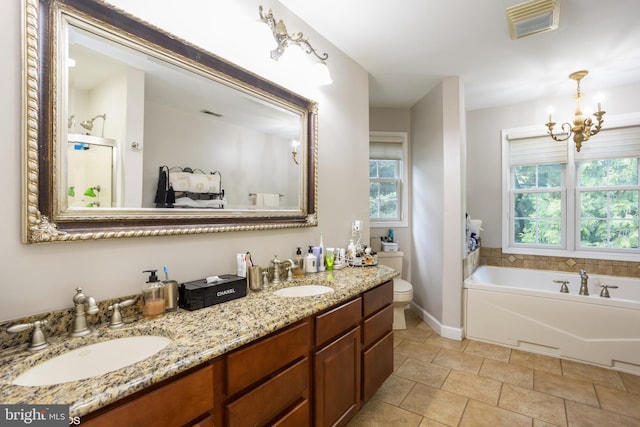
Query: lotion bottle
x=310 y=262
x=153 y=302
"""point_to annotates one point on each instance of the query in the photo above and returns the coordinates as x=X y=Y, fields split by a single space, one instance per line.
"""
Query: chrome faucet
x=584 y=277
x=79 y=325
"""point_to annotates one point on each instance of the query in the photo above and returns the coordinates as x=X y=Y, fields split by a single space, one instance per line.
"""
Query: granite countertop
x=196 y=337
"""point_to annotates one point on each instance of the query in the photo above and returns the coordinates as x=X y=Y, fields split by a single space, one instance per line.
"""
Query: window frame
x=403 y=181
x=570 y=224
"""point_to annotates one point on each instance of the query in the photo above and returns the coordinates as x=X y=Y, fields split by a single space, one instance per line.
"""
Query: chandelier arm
x=565 y=127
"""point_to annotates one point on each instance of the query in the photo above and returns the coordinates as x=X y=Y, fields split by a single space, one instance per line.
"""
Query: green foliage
x=384 y=189
x=608 y=198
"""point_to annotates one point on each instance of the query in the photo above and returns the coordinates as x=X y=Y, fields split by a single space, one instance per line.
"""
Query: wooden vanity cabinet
x=317 y=372
x=336 y=364
x=377 y=338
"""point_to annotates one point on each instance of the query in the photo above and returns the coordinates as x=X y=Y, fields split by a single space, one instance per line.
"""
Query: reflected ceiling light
x=295 y=41
x=532 y=17
x=582 y=128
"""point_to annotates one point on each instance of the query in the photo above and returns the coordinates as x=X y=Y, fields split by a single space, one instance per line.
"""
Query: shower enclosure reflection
x=90 y=166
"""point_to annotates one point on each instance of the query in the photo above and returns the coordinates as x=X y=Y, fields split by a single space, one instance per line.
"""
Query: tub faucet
x=79 y=325
x=584 y=277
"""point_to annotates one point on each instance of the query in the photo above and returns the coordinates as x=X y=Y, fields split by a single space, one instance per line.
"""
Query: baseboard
x=442 y=330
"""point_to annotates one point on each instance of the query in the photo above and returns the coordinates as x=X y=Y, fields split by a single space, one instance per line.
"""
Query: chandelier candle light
x=582 y=128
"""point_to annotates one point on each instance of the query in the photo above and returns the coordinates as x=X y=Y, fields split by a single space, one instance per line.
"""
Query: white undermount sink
x=303 y=291
x=92 y=360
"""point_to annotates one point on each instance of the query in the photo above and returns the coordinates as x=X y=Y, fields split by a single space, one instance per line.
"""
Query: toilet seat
x=401 y=287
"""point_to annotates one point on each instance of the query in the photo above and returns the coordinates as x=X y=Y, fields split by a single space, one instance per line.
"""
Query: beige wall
x=437 y=152
x=40 y=278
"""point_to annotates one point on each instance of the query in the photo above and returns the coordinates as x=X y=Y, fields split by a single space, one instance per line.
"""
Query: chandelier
x=583 y=128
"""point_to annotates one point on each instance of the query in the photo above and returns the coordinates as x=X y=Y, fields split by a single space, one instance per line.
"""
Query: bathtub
x=525 y=309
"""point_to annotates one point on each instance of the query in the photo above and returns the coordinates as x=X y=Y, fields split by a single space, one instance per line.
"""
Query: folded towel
x=201 y=183
x=179 y=180
x=267 y=200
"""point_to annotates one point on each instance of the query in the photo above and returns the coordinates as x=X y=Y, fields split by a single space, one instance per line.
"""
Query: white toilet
x=402 y=290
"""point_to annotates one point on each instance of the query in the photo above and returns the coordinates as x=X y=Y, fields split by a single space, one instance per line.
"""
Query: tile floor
x=442 y=382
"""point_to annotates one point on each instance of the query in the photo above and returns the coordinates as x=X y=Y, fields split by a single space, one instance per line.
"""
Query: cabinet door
x=337 y=380
x=377 y=365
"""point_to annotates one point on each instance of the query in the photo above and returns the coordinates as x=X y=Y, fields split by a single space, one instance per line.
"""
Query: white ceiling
x=409 y=46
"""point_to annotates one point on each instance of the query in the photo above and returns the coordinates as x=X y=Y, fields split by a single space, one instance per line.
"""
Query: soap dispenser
x=299 y=259
x=153 y=302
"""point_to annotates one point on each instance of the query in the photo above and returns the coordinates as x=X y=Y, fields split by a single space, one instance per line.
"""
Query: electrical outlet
x=356 y=227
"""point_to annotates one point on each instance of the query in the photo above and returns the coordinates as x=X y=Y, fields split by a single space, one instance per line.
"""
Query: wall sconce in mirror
x=291 y=49
x=582 y=128
x=88 y=124
x=294 y=151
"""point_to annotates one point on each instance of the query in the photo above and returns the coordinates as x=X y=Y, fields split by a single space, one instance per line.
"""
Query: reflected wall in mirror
x=131 y=132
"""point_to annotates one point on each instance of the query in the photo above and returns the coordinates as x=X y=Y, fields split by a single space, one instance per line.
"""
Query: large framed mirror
x=130 y=131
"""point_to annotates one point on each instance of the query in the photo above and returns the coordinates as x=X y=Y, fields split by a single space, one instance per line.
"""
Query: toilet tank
x=391 y=259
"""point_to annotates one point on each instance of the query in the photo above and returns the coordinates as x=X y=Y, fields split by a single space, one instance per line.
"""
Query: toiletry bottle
x=299 y=259
x=153 y=302
x=310 y=262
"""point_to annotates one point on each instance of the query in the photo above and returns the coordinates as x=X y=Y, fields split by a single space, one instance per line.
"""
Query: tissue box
x=389 y=247
x=200 y=294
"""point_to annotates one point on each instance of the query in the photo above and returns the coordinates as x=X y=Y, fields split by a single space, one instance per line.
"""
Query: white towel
x=201 y=183
x=179 y=181
x=267 y=200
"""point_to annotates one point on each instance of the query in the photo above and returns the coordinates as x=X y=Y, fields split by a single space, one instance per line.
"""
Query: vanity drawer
x=336 y=321
x=257 y=361
x=298 y=416
x=174 y=404
x=377 y=325
x=258 y=407
x=377 y=365
x=377 y=298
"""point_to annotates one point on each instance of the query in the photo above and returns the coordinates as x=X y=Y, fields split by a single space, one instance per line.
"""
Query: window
x=387 y=179
x=560 y=202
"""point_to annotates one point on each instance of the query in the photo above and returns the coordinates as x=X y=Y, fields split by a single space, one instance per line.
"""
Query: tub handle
x=564 y=289
x=604 y=293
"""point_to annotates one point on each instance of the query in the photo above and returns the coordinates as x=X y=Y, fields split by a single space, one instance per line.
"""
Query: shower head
x=88 y=124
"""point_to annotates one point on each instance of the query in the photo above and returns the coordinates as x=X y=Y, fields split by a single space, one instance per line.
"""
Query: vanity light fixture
x=295 y=41
x=582 y=128
x=88 y=124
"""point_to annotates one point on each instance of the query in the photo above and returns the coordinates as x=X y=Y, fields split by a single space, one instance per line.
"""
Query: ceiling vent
x=532 y=17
